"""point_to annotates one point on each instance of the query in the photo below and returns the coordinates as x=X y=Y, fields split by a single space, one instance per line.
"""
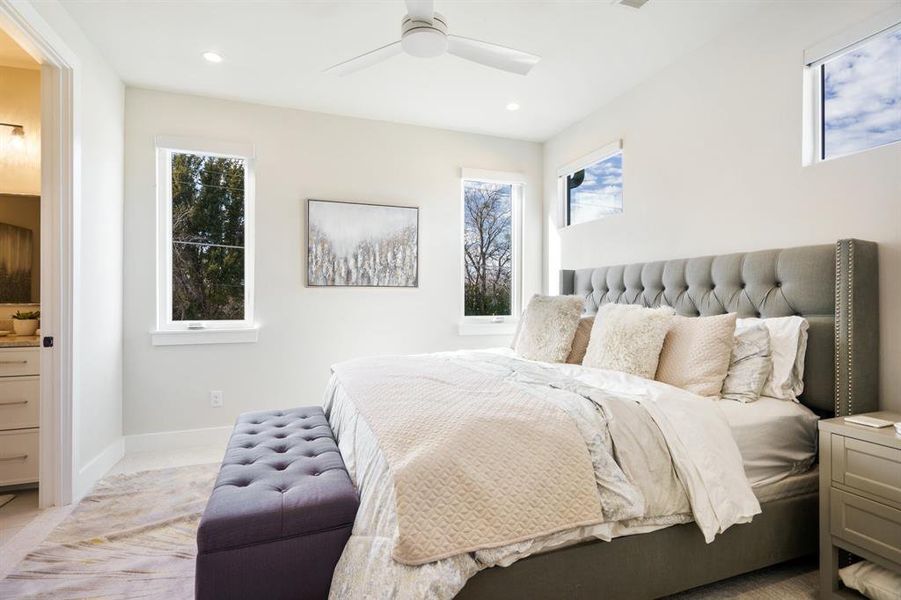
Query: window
x=592 y=187
x=856 y=96
x=206 y=249
x=491 y=208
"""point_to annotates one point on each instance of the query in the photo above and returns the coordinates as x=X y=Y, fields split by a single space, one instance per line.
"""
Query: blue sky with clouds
x=862 y=89
x=601 y=192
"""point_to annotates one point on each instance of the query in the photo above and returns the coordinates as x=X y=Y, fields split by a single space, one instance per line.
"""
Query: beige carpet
x=133 y=537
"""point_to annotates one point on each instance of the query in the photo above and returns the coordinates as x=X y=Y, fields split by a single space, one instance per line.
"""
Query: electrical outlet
x=216 y=398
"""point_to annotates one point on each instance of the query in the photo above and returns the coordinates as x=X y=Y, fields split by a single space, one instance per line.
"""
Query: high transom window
x=591 y=188
x=854 y=93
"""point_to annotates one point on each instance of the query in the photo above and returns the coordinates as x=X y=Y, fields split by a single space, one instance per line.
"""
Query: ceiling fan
x=423 y=33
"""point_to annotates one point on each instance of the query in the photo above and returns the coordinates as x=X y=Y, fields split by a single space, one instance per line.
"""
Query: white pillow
x=696 y=353
x=872 y=580
x=788 y=346
x=547 y=327
x=628 y=338
x=751 y=364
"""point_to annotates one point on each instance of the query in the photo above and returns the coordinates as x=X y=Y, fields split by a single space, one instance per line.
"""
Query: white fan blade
x=366 y=60
x=421 y=9
x=492 y=55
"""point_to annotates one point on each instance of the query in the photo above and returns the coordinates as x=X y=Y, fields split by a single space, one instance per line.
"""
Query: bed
x=835 y=287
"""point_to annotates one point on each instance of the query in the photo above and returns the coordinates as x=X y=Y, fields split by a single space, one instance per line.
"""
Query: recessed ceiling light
x=512 y=106
x=212 y=57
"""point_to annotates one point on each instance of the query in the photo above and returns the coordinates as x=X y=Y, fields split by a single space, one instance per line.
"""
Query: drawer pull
x=13 y=362
x=11 y=402
x=16 y=457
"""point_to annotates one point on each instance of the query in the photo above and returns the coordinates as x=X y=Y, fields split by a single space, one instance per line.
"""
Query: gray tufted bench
x=280 y=512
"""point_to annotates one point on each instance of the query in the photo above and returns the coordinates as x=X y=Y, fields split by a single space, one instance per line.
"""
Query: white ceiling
x=275 y=52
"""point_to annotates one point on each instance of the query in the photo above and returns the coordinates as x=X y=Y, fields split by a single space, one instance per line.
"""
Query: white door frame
x=60 y=191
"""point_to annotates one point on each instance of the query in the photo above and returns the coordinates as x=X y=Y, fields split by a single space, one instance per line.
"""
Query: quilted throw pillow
x=547 y=328
x=580 y=341
x=628 y=338
x=696 y=353
x=751 y=363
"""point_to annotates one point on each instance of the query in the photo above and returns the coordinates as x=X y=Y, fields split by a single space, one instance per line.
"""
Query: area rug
x=6 y=499
x=132 y=537
x=795 y=580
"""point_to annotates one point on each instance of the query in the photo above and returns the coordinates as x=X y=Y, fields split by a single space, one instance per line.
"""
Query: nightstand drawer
x=870 y=525
x=871 y=468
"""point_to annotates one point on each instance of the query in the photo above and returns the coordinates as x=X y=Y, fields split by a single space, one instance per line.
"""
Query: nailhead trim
x=837 y=326
x=850 y=327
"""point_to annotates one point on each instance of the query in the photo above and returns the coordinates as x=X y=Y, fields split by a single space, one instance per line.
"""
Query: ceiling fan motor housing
x=424 y=38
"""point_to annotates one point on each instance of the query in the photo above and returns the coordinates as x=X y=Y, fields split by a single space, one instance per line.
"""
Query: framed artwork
x=350 y=244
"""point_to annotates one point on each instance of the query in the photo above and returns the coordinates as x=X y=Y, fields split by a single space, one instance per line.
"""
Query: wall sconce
x=18 y=134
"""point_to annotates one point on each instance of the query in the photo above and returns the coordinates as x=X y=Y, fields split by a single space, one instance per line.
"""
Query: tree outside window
x=488 y=248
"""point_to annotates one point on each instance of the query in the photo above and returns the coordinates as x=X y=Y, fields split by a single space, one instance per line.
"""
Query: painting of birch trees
x=365 y=245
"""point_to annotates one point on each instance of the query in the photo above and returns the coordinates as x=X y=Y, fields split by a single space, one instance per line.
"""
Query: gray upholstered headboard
x=835 y=287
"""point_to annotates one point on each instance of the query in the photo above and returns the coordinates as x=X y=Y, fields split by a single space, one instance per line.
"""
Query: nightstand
x=860 y=497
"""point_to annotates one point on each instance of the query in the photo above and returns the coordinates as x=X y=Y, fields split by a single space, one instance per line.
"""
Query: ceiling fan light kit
x=424 y=35
x=424 y=38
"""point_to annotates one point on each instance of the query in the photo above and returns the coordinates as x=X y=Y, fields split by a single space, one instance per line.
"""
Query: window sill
x=190 y=337
x=479 y=327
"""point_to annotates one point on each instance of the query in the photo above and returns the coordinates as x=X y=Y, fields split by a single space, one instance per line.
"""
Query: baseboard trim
x=185 y=438
x=96 y=468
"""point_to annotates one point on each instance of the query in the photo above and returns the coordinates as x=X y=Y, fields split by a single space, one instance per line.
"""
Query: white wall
x=98 y=278
x=712 y=164
x=20 y=103
x=304 y=155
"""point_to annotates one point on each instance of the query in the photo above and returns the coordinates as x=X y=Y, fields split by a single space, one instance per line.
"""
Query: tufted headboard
x=835 y=287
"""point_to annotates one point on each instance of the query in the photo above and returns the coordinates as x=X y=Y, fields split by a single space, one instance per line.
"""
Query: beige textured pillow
x=628 y=338
x=697 y=352
x=547 y=327
x=580 y=341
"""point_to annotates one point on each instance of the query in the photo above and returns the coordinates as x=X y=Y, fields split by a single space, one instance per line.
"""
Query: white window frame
x=812 y=62
x=494 y=324
x=169 y=332
x=583 y=162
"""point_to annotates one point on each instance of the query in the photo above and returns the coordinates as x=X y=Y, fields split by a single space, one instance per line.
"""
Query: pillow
x=547 y=327
x=872 y=580
x=751 y=364
x=580 y=341
x=628 y=338
x=788 y=346
x=696 y=353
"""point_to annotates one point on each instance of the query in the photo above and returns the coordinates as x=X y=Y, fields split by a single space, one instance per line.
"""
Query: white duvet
x=704 y=456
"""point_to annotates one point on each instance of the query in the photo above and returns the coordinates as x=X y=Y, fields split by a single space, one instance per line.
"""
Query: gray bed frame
x=836 y=288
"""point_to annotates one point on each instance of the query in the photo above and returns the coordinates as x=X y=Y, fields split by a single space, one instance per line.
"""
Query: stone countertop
x=20 y=341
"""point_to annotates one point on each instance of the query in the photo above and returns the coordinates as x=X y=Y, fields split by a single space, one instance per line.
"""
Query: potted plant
x=26 y=323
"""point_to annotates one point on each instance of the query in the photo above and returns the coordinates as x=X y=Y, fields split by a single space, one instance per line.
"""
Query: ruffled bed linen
x=711 y=488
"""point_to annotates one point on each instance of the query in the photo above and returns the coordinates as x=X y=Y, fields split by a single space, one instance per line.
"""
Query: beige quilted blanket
x=477 y=461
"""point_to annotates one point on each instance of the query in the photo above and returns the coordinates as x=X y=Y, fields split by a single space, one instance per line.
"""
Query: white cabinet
x=20 y=395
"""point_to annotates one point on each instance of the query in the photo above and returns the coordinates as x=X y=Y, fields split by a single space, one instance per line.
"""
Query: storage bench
x=280 y=513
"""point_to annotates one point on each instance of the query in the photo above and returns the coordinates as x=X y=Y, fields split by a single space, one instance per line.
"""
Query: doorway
x=56 y=195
